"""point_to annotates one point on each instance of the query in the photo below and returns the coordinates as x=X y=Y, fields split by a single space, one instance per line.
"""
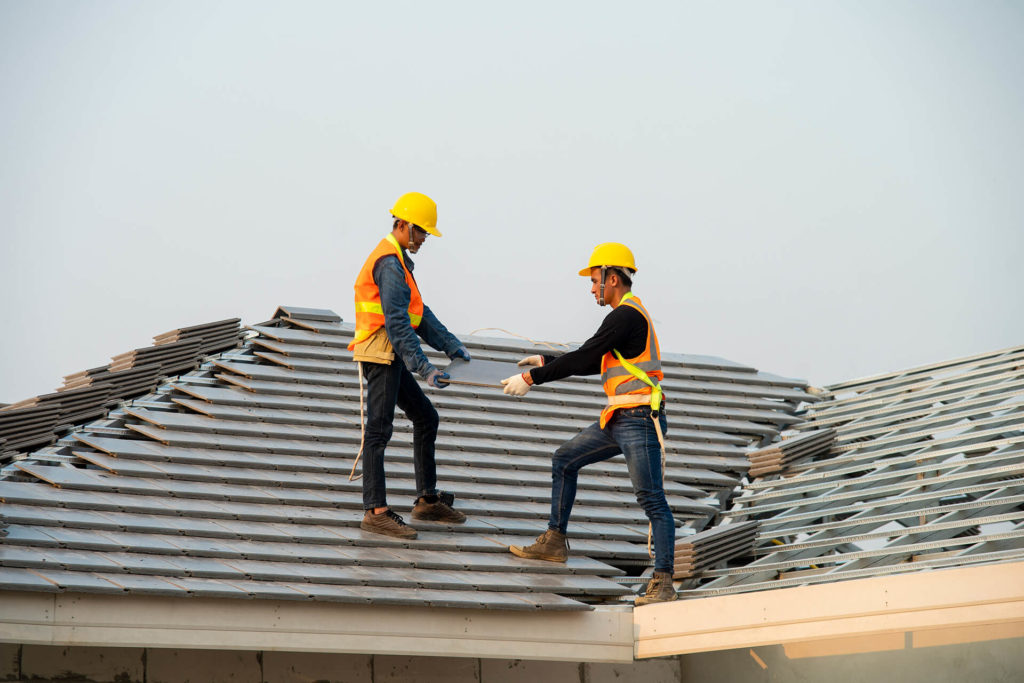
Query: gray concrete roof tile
x=28 y=556
x=79 y=582
x=27 y=535
x=197 y=546
x=17 y=579
x=147 y=585
x=335 y=593
x=210 y=588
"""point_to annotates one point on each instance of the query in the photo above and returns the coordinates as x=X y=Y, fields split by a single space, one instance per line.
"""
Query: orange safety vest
x=623 y=378
x=369 y=314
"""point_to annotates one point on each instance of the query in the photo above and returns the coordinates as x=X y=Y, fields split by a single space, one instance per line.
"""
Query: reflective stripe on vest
x=638 y=377
x=369 y=312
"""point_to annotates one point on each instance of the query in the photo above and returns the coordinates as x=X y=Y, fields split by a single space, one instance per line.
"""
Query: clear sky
x=819 y=189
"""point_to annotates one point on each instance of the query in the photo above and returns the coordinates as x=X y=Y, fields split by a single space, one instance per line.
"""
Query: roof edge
x=604 y=634
x=920 y=603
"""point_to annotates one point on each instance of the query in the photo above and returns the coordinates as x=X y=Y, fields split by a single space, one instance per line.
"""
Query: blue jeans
x=388 y=386
x=630 y=432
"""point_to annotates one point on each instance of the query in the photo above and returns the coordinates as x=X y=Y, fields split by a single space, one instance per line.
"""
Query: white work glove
x=516 y=385
x=535 y=361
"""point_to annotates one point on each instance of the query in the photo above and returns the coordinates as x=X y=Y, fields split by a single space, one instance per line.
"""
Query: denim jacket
x=394 y=299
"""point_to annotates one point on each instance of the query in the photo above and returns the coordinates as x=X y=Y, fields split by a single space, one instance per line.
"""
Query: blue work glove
x=462 y=353
x=436 y=379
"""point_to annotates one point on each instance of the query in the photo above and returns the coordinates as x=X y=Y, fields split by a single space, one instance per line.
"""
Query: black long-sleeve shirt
x=625 y=329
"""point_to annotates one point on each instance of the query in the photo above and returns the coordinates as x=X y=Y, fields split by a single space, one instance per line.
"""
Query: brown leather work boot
x=659 y=589
x=436 y=512
x=551 y=545
x=388 y=523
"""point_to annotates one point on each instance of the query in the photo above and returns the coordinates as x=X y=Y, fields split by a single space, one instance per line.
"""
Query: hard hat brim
x=586 y=271
x=430 y=231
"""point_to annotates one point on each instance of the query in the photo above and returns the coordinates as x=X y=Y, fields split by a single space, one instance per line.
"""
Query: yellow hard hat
x=418 y=209
x=610 y=254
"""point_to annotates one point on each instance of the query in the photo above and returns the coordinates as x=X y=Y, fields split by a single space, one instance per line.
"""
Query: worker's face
x=417 y=237
x=595 y=284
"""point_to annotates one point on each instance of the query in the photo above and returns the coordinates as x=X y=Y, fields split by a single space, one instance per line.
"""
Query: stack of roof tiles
x=926 y=472
x=798 y=448
x=172 y=352
x=27 y=425
x=89 y=394
x=713 y=547
x=233 y=480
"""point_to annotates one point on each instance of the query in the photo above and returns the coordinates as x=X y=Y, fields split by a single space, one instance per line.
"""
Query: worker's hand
x=516 y=385
x=437 y=379
x=462 y=353
x=535 y=361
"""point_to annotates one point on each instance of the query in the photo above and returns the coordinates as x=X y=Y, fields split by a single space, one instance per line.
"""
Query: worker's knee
x=378 y=432
x=564 y=463
x=654 y=504
x=428 y=420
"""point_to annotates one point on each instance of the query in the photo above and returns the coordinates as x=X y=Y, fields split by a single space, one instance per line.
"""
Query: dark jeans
x=630 y=432
x=388 y=386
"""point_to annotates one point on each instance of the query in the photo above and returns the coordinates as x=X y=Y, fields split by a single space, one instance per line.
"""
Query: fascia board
x=601 y=635
x=960 y=597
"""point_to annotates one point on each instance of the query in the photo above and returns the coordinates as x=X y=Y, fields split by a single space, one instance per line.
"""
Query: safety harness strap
x=643 y=377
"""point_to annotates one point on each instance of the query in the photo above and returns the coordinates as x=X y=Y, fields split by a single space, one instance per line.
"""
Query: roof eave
x=604 y=634
x=846 y=616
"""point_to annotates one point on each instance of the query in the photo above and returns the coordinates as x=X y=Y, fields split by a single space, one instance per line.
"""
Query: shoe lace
x=397 y=517
x=546 y=536
x=654 y=585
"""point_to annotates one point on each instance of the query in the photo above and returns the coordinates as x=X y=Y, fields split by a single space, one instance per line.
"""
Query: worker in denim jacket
x=391 y=318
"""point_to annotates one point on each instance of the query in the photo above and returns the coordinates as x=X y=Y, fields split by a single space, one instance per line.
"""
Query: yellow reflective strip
x=646 y=366
x=369 y=307
x=391 y=238
x=360 y=335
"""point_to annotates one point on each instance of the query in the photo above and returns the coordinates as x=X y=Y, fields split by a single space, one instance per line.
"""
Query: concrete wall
x=992 y=661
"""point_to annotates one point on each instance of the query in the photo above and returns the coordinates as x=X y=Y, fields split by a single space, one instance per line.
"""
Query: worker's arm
x=394 y=299
x=433 y=331
x=625 y=329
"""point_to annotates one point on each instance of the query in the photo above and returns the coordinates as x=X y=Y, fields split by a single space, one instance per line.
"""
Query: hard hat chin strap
x=604 y=274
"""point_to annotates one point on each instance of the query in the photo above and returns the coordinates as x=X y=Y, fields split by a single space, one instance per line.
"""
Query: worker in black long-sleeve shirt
x=625 y=329
x=625 y=351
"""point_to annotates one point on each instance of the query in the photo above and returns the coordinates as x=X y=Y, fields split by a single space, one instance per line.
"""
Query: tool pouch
x=375 y=349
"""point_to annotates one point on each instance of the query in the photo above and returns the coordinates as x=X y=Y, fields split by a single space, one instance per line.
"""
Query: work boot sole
x=522 y=552
x=408 y=535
